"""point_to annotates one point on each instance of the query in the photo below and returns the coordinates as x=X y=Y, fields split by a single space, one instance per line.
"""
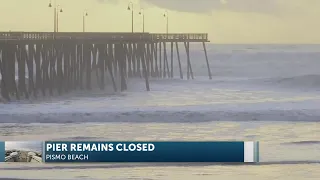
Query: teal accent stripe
x=256 y=152
x=2 y=151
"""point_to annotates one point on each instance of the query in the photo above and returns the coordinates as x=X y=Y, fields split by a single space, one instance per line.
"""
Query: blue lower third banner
x=65 y=151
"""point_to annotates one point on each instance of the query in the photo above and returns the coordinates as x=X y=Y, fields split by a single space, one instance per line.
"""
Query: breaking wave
x=310 y=81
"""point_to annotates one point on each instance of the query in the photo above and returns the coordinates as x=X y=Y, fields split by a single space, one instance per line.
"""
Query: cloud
x=204 y=6
x=108 y=1
x=263 y=6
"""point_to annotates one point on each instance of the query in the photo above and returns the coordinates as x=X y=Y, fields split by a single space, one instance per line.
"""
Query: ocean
x=266 y=93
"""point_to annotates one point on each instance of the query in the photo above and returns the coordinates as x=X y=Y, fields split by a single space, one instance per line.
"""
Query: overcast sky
x=226 y=21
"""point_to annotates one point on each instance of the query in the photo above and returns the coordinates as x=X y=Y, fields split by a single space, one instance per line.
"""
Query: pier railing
x=103 y=36
x=72 y=36
x=177 y=37
x=25 y=35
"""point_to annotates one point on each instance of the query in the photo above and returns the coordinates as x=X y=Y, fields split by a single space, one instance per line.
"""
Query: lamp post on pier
x=55 y=15
x=131 y=8
x=142 y=13
x=166 y=15
x=58 y=11
x=85 y=13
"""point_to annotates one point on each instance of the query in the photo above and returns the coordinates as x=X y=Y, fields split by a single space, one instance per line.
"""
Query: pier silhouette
x=53 y=63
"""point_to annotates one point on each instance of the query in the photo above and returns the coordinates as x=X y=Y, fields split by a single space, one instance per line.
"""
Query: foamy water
x=259 y=92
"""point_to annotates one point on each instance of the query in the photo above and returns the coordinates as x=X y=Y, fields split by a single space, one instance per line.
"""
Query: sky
x=226 y=21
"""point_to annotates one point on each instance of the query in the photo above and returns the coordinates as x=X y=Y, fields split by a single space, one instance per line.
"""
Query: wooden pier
x=47 y=63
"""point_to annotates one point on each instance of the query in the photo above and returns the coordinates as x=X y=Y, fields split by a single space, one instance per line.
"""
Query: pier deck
x=47 y=62
x=110 y=36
